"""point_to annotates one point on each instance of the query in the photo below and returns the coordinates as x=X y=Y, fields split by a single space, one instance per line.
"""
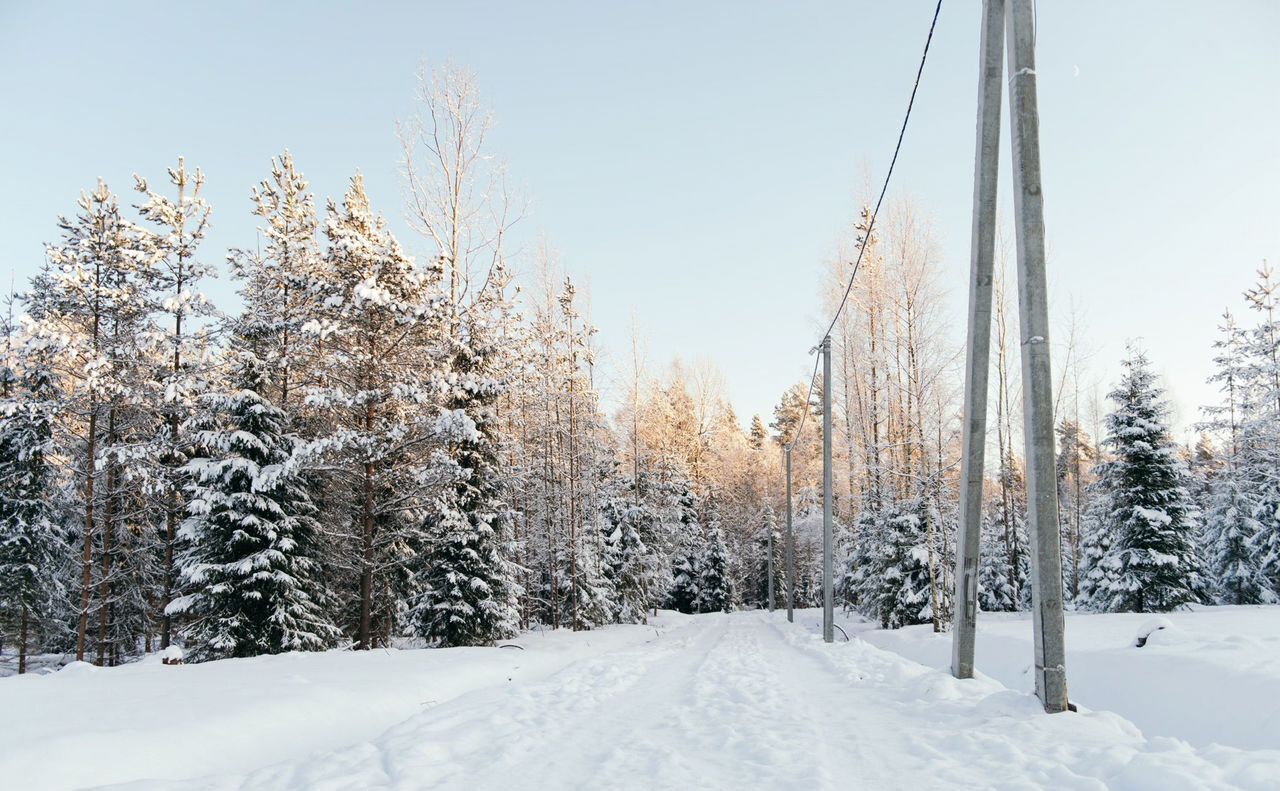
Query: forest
x=370 y=450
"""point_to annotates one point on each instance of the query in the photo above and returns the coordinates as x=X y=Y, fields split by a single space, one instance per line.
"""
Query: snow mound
x=1148 y=628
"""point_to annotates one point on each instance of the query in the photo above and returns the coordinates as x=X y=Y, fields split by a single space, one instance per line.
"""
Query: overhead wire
x=884 y=188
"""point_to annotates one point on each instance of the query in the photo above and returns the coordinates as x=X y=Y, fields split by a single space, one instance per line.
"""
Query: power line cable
x=874 y=214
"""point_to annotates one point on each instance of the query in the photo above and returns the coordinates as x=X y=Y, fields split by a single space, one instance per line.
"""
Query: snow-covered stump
x=172 y=655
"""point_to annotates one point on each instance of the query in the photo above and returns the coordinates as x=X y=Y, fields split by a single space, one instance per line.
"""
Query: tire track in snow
x=503 y=737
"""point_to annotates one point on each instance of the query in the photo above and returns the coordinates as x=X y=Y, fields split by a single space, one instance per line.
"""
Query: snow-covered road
x=749 y=701
x=740 y=701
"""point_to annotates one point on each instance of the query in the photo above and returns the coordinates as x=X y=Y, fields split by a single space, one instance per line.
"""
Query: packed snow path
x=740 y=701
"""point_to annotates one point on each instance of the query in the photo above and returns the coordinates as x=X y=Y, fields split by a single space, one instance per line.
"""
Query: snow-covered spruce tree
x=1096 y=576
x=683 y=596
x=687 y=559
x=715 y=588
x=184 y=368
x=458 y=201
x=902 y=568
x=997 y=583
x=32 y=549
x=634 y=567
x=1230 y=530
x=1149 y=516
x=1004 y=572
x=469 y=585
x=250 y=540
x=855 y=584
x=631 y=565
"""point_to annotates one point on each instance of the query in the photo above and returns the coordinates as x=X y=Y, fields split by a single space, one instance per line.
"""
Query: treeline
x=371 y=450
x=1147 y=523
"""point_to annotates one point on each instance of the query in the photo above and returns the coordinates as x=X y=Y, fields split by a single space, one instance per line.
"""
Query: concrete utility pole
x=828 y=592
x=1037 y=375
x=978 y=356
x=791 y=547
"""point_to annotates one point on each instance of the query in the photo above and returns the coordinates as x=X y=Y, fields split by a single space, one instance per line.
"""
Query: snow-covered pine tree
x=593 y=594
x=1231 y=527
x=807 y=528
x=564 y=456
x=276 y=280
x=32 y=548
x=1258 y=463
x=1076 y=455
x=92 y=298
x=374 y=333
x=1149 y=516
x=184 y=365
x=1258 y=471
x=759 y=571
x=250 y=541
x=758 y=435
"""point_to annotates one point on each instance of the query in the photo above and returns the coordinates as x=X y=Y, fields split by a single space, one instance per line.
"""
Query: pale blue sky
x=694 y=161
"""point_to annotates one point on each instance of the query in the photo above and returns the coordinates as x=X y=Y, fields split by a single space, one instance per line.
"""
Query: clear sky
x=694 y=162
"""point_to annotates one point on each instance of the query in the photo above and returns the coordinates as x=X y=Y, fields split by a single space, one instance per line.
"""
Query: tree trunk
x=86 y=575
x=366 y=565
x=108 y=519
x=22 y=640
x=170 y=534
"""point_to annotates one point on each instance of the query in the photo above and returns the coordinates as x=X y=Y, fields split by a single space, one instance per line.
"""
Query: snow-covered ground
x=1211 y=676
x=717 y=701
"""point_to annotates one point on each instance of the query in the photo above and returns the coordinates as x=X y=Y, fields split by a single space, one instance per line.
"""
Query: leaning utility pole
x=978 y=349
x=828 y=593
x=1037 y=396
x=791 y=546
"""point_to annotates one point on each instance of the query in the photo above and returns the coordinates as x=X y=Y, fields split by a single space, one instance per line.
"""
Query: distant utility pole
x=828 y=592
x=1038 y=426
x=791 y=546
